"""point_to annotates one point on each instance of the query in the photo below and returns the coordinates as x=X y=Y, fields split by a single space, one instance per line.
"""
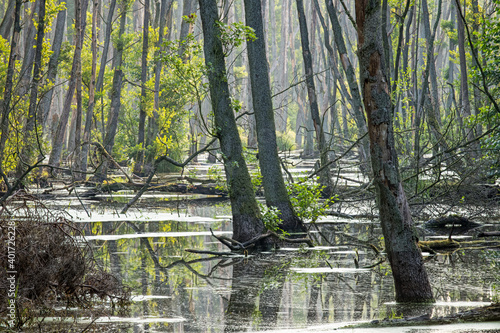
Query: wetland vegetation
x=209 y=166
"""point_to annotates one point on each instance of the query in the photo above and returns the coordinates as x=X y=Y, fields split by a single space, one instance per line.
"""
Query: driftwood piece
x=451 y=221
x=489 y=234
x=177 y=188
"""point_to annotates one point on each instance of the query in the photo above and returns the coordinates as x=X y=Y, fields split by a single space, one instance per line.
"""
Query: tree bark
x=92 y=84
x=186 y=28
x=57 y=143
x=357 y=105
x=7 y=96
x=8 y=19
x=165 y=10
x=29 y=49
x=464 y=85
x=116 y=94
x=324 y=176
x=270 y=165
x=30 y=138
x=434 y=115
x=410 y=277
x=46 y=100
x=246 y=217
x=142 y=104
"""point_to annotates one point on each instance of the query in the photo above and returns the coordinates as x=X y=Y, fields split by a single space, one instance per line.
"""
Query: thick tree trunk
x=324 y=176
x=410 y=277
x=246 y=217
x=270 y=165
x=357 y=105
x=31 y=138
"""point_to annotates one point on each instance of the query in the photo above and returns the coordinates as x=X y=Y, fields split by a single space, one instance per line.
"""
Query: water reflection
x=293 y=288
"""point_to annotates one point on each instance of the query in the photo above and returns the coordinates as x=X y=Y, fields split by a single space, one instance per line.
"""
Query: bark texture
x=245 y=211
x=410 y=277
x=92 y=84
x=144 y=76
x=270 y=165
x=7 y=96
x=53 y=64
x=116 y=93
x=356 y=101
x=57 y=142
x=30 y=137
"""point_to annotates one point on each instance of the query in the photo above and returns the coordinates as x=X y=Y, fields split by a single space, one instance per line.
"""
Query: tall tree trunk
x=29 y=49
x=451 y=64
x=270 y=165
x=5 y=107
x=478 y=100
x=8 y=19
x=46 y=100
x=357 y=105
x=186 y=27
x=464 y=85
x=432 y=108
x=246 y=217
x=165 y=13
x=57 y=142
x=283 y=66
x=410 y=277
x=332 y=63
x=30 y=138
x=116 y=94
x=92 y=84
x=325 y=178
x=142 y=104
x=434 y=115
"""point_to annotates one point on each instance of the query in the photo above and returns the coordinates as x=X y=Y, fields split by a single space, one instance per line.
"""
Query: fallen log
x=451 y=221
x=209 y=189
x=438 y=245
x=489 y=234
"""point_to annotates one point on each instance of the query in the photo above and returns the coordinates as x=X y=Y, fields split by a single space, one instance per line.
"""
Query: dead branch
x=155 y=167
x=214 y=253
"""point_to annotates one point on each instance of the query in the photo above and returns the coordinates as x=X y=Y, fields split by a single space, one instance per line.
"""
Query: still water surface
x=341 y=280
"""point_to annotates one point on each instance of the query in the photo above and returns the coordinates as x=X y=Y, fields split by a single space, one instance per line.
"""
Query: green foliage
x=285 y=140
x=270 y=218
x=215 y=173
x=305 y=196
x=233 y=35
x=488 y=45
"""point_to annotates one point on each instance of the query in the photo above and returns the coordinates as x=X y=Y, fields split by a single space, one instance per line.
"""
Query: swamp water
x=338 y=282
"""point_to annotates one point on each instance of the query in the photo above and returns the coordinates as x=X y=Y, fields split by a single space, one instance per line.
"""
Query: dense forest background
x=85 y=80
